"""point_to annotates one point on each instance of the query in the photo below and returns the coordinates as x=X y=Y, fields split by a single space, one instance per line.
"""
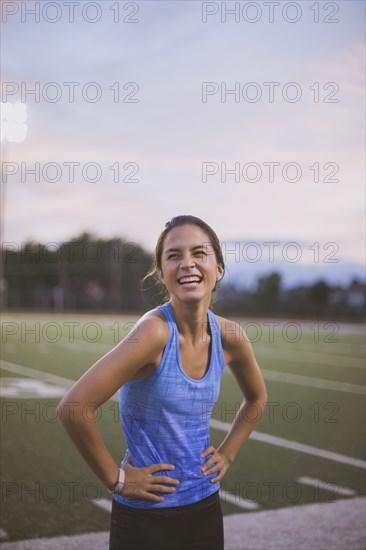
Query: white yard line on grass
x=326 y=486
x=312 y=382
x=102 y=503
x=34 y=373
x=3 y=534
x=337 y=525
x=293 y=445
x=244 y=503
x=224 y=426
x=309 y=381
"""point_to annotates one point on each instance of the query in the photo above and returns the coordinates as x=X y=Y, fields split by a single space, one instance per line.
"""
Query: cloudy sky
x=137 y=95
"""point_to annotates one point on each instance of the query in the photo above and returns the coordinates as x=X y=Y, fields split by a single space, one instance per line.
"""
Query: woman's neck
x=191 y=319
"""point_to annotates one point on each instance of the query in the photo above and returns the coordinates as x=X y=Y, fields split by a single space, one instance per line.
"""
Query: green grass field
x=315 y=377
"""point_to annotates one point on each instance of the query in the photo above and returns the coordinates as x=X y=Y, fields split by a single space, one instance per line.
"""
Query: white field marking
x=3 y=534
x=103 y=503
x=39 y=375
x=311 y=382
x=293 y=445
x=244 y=503
x=344 y=521
x=224 y=426
x=330 y=487
x=333 y=525
x=25 y=388
x=298 y=356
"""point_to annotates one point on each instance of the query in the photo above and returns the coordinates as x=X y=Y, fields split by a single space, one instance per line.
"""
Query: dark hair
x=177 y=221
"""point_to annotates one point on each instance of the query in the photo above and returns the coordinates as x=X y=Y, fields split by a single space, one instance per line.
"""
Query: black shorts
x=197 y=526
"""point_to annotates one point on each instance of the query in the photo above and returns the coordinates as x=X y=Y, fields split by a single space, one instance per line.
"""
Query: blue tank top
x=165 y=418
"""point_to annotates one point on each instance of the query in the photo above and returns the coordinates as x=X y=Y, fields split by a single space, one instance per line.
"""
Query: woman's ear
x=220 y=273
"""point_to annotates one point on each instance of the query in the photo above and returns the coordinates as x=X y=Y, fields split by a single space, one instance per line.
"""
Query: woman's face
x=189 y=267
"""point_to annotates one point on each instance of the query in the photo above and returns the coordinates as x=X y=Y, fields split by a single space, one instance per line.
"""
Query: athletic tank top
x=165 y=418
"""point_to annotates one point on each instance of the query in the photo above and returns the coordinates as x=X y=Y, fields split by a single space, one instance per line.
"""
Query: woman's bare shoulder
x=155 y=323
x=151 y=331
x=155 y=314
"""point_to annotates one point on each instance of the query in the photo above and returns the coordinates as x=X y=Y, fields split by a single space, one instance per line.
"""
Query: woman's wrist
x=118 y=485
x=112 y=485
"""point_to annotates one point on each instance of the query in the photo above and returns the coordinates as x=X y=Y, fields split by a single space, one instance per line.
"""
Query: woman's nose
x=187 y=262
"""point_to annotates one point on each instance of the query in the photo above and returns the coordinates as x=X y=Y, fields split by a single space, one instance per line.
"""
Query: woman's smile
x=190 y=284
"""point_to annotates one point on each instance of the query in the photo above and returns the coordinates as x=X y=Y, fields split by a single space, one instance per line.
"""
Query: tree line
x=90 y=273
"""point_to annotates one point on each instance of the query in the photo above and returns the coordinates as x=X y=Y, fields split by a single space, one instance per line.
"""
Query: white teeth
x=189 y=280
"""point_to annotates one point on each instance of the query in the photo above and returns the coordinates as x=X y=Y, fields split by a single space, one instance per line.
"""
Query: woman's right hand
x=139 y=481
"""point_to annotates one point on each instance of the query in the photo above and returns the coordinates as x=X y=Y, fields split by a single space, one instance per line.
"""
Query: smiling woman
x=168 y=385
x=204 y=248
x=188 y=264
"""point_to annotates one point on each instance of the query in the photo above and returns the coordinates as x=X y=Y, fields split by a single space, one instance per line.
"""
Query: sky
x=152 y=97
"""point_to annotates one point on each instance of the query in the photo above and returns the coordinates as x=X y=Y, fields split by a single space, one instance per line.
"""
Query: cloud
x=170 y=132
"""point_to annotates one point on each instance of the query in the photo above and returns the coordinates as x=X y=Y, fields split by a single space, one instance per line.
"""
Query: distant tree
x=85 y=272
x=268 y=292
x=356 y=283
x=319 y=294
x=89 y=272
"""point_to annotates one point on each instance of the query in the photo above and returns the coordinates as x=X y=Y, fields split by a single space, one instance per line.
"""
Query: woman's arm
x=241 y=361
x=245 y=369
x=98 y=384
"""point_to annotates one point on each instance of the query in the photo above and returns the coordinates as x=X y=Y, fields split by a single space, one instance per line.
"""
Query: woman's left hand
x=217 y=463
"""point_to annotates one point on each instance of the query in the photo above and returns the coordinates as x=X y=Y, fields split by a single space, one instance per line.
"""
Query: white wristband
x=120 y=483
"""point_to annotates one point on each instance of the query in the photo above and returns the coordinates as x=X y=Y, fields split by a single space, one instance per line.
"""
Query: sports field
x=308 y=450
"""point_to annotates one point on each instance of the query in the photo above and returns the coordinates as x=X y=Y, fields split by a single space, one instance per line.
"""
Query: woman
x=168 y=373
